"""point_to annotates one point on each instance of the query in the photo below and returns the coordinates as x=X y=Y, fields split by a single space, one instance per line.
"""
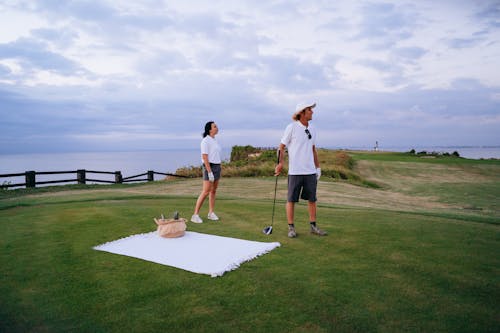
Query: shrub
x=191 y=172
x=248 y=161
x=268 y=155
x=241 y=153
x=344 y=160
x=256 y=169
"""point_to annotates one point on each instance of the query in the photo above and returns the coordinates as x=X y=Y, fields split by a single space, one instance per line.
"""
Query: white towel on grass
x=194 y=252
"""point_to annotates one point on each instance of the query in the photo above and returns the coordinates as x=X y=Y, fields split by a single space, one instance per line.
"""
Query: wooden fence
x=81 y=177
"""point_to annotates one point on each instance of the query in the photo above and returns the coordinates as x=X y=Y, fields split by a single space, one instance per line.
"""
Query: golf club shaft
x=274 y=201
x=275 y=187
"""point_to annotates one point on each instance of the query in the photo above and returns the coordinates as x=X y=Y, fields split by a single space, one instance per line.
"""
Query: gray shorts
x=303 y=186
x=216 y=169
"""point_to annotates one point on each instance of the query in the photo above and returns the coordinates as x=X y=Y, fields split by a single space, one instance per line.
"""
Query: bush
x=191 y=172
x=344 y=160
x=269 y=155
x=248 y=161
x=241 y=153
x=265 y=169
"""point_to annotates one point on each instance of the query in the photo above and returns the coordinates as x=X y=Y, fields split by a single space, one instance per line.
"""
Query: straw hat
x=300 y=107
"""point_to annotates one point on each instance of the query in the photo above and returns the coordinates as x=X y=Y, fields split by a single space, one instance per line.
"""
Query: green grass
x=407 y=157
x=478 y=197
x=378 y=270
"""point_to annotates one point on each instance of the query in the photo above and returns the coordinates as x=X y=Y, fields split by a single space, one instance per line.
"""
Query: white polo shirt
x=211 y=147
x=300 y=148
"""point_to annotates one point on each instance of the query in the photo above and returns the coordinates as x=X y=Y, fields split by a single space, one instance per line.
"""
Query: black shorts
x=303 y=186
x=216 y=170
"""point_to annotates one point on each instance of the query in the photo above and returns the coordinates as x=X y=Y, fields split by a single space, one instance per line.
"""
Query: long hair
x=296 y=116
x=208 y=127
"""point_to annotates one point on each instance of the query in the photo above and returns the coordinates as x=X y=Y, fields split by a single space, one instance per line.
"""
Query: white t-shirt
x=300 y=148
x=211 y=147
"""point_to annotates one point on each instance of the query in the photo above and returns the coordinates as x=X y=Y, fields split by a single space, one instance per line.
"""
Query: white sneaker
x=196 y=218
x=213 y=217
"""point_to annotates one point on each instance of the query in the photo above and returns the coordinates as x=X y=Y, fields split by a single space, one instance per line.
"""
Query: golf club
x=269 y=229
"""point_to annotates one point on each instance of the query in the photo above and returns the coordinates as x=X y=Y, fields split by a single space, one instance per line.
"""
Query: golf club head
x=268 y=230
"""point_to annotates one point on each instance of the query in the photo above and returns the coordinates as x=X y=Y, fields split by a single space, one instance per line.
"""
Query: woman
x=210 y=157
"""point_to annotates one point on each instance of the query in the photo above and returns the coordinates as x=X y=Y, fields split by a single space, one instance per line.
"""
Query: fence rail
x=81 y=177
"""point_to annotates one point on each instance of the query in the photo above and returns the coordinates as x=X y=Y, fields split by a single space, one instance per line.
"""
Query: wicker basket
x=171 y=228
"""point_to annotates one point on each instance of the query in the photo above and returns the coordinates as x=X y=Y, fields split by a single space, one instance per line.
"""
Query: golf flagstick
x=269 y=230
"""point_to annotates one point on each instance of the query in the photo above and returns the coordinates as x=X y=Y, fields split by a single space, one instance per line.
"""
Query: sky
x=147 y=75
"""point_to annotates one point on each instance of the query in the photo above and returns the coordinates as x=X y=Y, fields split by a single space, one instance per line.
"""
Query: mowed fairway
x=419 y=254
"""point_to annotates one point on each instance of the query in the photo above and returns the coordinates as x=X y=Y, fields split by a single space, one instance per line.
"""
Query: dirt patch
x=356 y=196
x=330 y=193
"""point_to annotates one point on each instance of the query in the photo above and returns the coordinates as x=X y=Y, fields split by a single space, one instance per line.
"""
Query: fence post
x=151 y=176
x=118 y=177
x=30 y=178
x=80 y=176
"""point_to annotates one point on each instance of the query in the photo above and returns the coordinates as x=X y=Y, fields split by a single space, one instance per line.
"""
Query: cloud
x=490 y=14
x=409 y=53
x=61 y=38
x=82 y=10
x=385 y=24
x=106 y=75
x=34 y=55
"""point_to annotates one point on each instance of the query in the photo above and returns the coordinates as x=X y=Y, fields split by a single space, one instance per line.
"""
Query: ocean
x=129 y=163
x=166 y=161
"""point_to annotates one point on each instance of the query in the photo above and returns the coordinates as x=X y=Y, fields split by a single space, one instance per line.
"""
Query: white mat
x=194 y=252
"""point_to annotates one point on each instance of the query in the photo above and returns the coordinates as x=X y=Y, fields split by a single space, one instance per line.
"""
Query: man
x=303 y=166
